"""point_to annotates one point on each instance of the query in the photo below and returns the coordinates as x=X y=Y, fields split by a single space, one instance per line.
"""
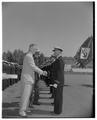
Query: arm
x=31 y=64
x=47 y=67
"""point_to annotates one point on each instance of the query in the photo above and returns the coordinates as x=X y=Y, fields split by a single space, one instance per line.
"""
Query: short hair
x=31 y=45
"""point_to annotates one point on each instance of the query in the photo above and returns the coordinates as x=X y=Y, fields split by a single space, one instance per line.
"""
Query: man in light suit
x=36 y=85
x=28 y=78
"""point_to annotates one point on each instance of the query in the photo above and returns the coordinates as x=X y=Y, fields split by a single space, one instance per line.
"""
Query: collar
x=59 y=56
x=30 y=53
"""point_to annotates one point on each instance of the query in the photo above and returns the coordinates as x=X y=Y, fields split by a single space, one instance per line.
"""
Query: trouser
x=58 y=100
x=34 y=97
x=27 y=88
x=52 y=90
x=36 y=93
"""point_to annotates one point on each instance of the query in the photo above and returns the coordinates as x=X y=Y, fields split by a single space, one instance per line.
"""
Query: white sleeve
x=31 y=63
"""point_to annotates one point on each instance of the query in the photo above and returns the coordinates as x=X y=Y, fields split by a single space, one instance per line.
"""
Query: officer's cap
x=57 y=48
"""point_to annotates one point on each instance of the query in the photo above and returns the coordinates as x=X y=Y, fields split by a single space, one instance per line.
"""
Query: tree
x=4 y=56
x=15 y=56
x=18 y=56
x=9 y=57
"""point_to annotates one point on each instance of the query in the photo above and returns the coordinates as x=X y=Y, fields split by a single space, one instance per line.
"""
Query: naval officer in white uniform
x=28 y=78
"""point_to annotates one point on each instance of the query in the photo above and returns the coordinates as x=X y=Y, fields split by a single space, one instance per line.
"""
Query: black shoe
x=36 y=103
x=57 y=113
x=52 y=103
x=52 y=113
x=31 y=106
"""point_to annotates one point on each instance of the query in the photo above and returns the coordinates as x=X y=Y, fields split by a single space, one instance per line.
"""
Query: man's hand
x=44 y=73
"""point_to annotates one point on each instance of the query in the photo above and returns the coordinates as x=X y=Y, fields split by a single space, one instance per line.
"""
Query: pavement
x=77 y=99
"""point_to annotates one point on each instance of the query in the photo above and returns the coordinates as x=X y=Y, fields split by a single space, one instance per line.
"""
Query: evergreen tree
x=9 y=56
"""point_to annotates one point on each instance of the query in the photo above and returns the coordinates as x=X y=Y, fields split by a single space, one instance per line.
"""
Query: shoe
x=36 y=103
x=52 y=103
x=31 y=106
x=55 y=114
x=52 y=113
x=23 y=114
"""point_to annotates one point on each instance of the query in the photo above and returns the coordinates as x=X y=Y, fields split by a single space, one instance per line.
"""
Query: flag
x=85 y=53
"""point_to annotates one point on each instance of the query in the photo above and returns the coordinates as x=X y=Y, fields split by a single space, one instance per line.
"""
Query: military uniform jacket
x=56 y=70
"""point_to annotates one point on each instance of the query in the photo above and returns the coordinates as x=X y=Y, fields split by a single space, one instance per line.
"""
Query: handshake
x=44 y=73
x=54 y=85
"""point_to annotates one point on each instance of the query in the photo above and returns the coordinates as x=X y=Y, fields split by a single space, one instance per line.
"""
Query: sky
x=52 y=24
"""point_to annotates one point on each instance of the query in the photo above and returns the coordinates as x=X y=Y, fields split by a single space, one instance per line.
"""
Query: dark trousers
x=34 y=96
x=52 y=90
x=58 y=100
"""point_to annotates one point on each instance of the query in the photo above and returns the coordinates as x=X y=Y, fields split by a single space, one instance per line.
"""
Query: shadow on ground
x=13 y=113
x=13 y=104
x=10 y=113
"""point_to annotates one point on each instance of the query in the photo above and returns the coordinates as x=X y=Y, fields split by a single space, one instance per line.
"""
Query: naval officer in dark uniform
x=58 y=78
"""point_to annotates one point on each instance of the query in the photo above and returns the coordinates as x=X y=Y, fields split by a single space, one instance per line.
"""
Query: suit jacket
x=29 y=69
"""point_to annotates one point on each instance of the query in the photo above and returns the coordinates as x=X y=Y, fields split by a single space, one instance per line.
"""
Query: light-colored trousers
x=26 y=89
